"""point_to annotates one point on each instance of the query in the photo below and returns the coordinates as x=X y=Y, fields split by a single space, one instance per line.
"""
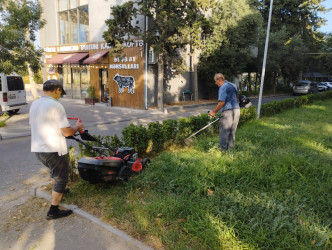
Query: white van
x=12 y=93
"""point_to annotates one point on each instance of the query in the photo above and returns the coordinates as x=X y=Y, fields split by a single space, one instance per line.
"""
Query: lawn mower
x=123 y=163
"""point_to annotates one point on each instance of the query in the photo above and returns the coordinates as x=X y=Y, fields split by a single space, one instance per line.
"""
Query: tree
x=19 y=20
x=294 y=36
x=326 y=56
x=178 y=23
x=236 y=27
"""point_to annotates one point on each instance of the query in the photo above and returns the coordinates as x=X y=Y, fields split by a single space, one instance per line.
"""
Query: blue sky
x=328 y=16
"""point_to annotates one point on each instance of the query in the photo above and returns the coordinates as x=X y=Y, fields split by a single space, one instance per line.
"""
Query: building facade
x=76 y=54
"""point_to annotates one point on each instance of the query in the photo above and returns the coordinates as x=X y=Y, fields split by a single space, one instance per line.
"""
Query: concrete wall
x=49 y=34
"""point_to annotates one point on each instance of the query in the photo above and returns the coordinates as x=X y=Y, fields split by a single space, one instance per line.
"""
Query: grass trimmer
x=189 y=141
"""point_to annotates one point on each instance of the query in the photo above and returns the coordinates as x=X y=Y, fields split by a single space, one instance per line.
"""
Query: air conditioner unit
x=152 y=58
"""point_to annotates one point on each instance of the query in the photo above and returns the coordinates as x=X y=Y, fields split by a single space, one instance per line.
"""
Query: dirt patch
x=21 y=225
x=19 y=216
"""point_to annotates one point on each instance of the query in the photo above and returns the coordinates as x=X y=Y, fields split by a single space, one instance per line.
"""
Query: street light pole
x=264 y=61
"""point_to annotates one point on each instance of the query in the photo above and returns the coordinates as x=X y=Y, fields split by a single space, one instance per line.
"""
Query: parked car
x=327 y=84
x=322 y=86
x=305 y=87
x=12 y=93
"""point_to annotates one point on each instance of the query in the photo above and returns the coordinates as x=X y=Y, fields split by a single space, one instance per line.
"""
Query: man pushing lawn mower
x=230 y=108
x=49 y=127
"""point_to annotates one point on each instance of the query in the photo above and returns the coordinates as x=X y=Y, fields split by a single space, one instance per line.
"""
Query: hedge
x=156 y=136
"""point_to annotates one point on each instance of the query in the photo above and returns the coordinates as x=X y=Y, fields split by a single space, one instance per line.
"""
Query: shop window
x=64 y=29
x=76 y=88
x=67 y=79
x=73 y=36
x=74 y=22
x=85 y=81
x=84 y=23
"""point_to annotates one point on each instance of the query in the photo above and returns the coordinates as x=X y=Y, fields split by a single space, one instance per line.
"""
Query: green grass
x=273 y=191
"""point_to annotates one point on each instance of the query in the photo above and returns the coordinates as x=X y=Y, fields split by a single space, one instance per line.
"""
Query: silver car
x=305 y=87
x=328 y=85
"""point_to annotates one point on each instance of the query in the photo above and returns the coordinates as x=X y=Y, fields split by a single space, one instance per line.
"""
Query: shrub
x=157 y=136
x=185 y=128
x=247 y=114
x=170 y=130
x=137 y=137
x=115 y=142
x=3 y=118
x=91 y=92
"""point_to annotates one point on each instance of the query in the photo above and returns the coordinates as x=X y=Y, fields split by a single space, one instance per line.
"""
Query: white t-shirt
x=46 y=117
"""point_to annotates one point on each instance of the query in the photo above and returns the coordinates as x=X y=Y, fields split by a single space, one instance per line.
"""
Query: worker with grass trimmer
x=230 y=108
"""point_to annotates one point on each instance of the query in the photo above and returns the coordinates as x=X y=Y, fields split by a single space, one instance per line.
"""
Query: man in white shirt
x=49 y=127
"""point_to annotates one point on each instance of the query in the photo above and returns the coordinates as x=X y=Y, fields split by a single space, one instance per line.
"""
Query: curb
x=35 y=191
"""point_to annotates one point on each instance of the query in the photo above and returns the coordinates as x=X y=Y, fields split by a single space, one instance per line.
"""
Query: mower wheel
x=145 y=162
x=125 y=172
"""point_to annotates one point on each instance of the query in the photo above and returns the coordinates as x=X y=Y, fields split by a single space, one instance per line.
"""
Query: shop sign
x=91 y=46
x=123 y=60
x=50 y=69
x=125 y=82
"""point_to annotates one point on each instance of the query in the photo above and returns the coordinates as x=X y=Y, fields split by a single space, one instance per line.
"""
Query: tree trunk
x=249 y=82
x=256 y=82
x=275 y=82
x=161 y=84
x=32 y=82
x=195 y=76
x=33 y=86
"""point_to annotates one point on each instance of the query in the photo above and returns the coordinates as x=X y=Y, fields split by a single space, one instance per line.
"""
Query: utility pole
x=264 y=61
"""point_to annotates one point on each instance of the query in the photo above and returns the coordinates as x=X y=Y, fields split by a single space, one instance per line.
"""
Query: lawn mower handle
x=78 y=119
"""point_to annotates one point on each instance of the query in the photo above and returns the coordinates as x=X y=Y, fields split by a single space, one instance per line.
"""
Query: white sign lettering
x=124 y=66
x=50 y=50
x=105 y=46
x=68 y=48
x=90 y=46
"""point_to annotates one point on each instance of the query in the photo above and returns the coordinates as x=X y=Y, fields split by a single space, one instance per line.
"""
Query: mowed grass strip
x=273 y=191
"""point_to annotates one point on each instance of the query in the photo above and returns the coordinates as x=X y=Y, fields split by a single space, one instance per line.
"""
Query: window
x=73 y=35
x=64 y=29
x=84 y=23
x=73 y=22
x=15 y=83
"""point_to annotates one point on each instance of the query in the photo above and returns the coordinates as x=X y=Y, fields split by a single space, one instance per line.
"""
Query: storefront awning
x=96 y=56
x=67 y=58
x=75 y=58
x=57 y=59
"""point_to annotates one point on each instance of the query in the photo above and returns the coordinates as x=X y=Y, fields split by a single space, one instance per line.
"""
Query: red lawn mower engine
x=122 y=165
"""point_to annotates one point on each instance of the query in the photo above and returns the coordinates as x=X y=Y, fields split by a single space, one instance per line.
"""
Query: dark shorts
x=59 y=169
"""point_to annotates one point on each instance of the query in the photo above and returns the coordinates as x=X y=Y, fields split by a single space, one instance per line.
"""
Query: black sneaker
x=58 y=214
